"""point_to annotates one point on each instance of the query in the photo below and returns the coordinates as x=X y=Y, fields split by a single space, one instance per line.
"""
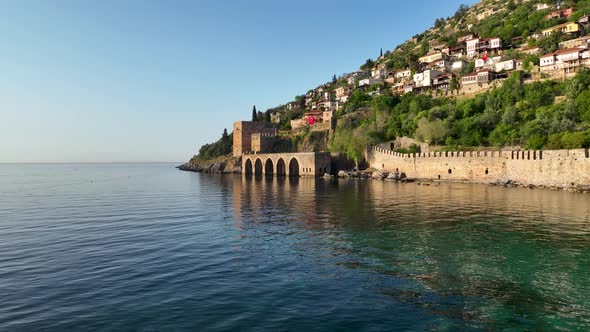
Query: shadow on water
x=496 y=256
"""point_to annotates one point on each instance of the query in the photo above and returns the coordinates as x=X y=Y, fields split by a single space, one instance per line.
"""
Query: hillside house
x=319 y=117
x=398 y=88
x=479 y=46
x=507 y=65
x=480 y=77
x=368 y=81
x=571 y=28
x=560 y=13
x=567 y=60
x=442 y=65
x=458 y=51
x=328 y=95
x=465 y=38
x=424 y=79
x=542 y=6
x=402 y=74
x=436 y=46
x=442 y=82
x=428 y=58
x=489 y=63
x=379 y=73
x=291 y=106
x=353 y=77
x=342 y=94
x=329 y=105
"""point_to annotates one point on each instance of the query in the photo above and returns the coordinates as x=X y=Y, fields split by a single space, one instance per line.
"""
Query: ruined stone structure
x=561 y=168
x=286 y=164
x=244 y=142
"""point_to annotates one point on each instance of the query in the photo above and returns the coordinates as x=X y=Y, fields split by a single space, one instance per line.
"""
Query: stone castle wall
x=243 y=131
x=262 y=142
x=562 y=168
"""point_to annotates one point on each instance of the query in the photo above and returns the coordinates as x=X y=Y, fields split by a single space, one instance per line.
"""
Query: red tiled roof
x=568 y=50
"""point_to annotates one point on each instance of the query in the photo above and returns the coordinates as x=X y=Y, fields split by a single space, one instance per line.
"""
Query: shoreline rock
x=221 y=165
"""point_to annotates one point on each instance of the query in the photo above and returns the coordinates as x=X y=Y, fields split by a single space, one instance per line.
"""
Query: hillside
x=499 y=73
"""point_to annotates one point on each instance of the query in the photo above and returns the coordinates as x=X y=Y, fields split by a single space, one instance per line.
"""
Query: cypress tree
x=254 y=114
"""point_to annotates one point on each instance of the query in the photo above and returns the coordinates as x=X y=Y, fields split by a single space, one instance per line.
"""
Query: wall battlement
x=516 y=154
x=563 y=168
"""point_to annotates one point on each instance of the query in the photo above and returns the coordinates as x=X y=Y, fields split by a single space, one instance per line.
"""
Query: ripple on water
x=149 y=247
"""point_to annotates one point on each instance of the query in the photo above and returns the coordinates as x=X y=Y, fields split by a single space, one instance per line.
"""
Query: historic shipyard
x=253 y=142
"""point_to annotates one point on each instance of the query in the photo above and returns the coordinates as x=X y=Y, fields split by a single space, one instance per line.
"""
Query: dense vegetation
x=542 y=114
x=222 y=147
x=549 y=114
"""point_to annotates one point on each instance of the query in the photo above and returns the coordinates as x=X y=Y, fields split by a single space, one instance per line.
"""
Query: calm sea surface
x=148 y=247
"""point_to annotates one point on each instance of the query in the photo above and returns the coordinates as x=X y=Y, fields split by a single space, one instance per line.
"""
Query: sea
x=146 y=247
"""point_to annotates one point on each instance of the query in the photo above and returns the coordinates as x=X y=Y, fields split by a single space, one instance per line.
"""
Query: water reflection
x=495 y=256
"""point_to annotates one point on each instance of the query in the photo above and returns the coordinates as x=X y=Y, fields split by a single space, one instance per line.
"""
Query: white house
x=368 y=81
x=403 y=73
x=477 y=45
x=504 y=66
x=424 y=79
x=379 y=72
x=342 y=94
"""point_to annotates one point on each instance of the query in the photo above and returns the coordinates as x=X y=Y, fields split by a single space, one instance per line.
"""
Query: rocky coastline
x=401 y=177
x=221 y=165
x=232 y=165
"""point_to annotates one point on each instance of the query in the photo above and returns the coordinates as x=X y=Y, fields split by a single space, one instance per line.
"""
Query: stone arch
x=248 y=167
x=293 y=167
x=268 y=167
x=258 y=167
x=281 y=167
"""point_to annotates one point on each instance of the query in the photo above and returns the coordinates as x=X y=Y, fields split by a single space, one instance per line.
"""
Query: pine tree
x=254 y=114
x=334 y=78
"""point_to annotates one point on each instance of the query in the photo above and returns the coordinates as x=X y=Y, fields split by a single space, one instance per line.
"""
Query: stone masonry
x=561 y=168
x=243 y=132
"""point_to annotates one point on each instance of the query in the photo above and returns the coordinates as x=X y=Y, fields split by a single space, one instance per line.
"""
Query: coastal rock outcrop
x=221 y=165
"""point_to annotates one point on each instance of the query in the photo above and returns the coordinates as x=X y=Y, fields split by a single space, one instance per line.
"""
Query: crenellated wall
x=563 y=168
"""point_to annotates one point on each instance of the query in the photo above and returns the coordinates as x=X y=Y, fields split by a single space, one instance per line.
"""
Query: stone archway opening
x=248 y=167
x=281 y=168
x=268 y=167
x=293 y=167
x=258 y=167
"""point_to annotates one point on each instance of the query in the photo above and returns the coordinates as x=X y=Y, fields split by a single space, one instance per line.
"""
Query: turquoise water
x=147 y=247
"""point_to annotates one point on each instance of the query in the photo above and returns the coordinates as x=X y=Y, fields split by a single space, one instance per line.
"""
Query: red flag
x=485 y=57
x=310 y=120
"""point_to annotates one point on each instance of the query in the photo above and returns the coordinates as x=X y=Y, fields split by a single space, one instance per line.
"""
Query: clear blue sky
x=135 y=80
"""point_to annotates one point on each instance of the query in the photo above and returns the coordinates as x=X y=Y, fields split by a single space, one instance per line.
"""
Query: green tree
x=432 y=131
x=368 y=65
x=254 y=114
